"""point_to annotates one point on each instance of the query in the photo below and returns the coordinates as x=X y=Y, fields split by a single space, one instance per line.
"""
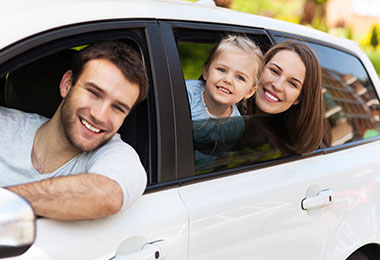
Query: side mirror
x=17 y=224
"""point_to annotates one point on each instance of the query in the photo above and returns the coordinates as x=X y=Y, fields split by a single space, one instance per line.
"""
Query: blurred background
x=358 y=20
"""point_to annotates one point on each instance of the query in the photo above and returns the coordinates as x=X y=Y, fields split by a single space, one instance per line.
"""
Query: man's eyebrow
x=278 y=67
x=93 y=85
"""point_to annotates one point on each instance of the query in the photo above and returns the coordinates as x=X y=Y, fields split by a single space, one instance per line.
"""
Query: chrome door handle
x=149 y=251
x=323 y=198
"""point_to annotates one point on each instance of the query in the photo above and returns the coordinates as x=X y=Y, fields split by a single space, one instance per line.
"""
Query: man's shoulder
x=15 y=113
x=13 y=117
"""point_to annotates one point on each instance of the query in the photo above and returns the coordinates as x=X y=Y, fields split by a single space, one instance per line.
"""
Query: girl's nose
x=228 y=78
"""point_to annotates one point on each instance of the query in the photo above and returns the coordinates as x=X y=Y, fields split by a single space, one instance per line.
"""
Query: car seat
x=35 y=87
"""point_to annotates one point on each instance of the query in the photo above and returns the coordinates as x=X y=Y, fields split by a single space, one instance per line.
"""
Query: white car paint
x=146 y=221
x=258 y=211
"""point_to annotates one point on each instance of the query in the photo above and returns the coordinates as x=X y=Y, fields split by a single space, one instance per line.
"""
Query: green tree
x=314 y=13
x=374 y=37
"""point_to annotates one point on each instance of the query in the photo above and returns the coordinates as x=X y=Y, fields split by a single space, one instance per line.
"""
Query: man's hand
x=74 y=197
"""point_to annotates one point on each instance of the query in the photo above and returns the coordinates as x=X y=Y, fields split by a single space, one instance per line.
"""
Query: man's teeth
x=271 y=96
x=225 y=90
x=90 y=127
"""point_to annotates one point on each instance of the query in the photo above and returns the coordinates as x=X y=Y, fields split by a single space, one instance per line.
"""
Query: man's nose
x=100 y=113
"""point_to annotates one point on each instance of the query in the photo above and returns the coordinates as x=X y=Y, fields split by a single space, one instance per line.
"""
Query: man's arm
x=74 y=197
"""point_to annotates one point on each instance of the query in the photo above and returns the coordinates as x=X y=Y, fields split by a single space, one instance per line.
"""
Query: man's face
x=95 y=107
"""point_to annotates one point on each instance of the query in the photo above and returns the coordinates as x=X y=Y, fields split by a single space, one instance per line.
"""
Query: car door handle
x=323 y=198
x=149 y=251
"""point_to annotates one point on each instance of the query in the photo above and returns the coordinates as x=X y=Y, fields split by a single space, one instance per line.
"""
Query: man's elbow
x=112 y=200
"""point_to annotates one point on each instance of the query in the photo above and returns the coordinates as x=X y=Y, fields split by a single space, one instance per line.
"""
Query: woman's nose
x=278 y=84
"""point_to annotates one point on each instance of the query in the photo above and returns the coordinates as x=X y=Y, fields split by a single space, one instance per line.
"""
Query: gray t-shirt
x=116 y=159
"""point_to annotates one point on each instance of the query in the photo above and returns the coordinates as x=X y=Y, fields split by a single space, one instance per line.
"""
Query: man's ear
x=66 y=83
x=251 y=92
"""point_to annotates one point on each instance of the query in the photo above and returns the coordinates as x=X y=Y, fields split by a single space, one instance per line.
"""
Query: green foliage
x=374 y=37
x=374 y=56
x=193 y=57
x=289 y=10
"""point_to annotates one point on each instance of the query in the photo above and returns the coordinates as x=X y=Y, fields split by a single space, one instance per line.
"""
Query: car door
x=265 y=205
x=156 y=226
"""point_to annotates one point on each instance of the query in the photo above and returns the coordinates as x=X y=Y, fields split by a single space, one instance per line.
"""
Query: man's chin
x=90 y=146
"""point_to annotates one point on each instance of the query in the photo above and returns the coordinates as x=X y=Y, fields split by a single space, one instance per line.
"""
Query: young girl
x=231 y=74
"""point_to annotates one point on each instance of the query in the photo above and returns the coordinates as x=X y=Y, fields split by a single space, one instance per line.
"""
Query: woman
x=291 y=89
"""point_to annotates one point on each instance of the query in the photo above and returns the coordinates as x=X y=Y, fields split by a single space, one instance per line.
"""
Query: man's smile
x=90 y=127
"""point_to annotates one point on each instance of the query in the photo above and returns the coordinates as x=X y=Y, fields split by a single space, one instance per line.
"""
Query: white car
x=258 y=204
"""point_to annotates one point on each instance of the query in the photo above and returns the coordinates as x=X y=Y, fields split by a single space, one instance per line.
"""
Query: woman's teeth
x=271 y=96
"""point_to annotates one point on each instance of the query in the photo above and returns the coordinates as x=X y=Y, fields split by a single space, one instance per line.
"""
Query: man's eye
x=93 y=92
x=119 y=108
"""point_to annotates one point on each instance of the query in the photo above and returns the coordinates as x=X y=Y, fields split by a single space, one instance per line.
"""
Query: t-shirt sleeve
x=119 y=161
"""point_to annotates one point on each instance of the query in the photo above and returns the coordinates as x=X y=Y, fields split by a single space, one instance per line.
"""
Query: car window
x=225 y=143
x=351 y=104
x=33 y=86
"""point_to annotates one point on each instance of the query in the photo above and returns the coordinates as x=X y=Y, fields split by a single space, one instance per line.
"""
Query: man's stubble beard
x=68 y=121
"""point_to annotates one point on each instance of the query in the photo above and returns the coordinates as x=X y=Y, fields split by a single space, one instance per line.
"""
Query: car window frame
x=146 y=35
x=183 y=125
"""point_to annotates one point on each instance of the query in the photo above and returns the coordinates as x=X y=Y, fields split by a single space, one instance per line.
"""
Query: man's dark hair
x=122 y=55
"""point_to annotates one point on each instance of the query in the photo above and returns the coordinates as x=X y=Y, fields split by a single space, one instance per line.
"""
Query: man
x=75 y=166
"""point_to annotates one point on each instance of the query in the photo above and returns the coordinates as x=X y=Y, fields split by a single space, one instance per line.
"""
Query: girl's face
x=281 y=82
x=230 y=77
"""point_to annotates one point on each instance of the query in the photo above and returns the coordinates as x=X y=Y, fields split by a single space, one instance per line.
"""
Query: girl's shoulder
x=194 y=84
x=194 y=89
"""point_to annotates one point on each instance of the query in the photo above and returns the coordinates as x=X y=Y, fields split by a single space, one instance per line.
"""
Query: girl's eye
x=221 y=69
x=240 y=78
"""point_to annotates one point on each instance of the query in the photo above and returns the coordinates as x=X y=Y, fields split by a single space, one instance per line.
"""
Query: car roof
x=25 y=18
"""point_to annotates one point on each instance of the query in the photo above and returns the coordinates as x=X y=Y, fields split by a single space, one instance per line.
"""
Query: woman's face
x=281 y=82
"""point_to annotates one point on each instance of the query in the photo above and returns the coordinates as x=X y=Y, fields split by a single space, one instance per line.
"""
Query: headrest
x=35 y=86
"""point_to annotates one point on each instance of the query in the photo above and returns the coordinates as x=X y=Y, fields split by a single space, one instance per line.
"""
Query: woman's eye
x=294 y=85
x=274 y=71
x=221 y=69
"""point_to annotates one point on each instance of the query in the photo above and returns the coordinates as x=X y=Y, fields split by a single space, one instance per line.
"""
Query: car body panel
x=144 y=222
x=258 y=214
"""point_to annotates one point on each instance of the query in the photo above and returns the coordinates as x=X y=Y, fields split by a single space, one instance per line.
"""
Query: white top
x=116 y=160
